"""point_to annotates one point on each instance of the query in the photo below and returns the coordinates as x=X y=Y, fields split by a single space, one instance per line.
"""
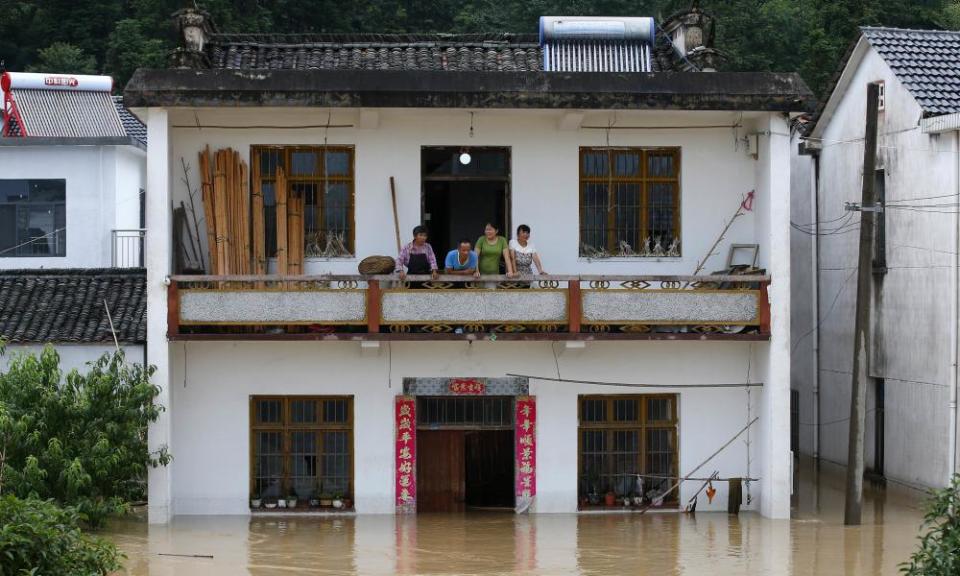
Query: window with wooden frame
x=623 y=436
x=324 y=177
x=629 y=202
x=301 y=446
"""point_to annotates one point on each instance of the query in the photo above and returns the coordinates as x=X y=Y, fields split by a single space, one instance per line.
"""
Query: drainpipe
x=815 y=200
x=955 y=315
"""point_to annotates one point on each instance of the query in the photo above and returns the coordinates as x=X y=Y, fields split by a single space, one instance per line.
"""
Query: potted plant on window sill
x=593 y=497
x=347 y=503
x=610 y=499
x=256 y=501
x=337 y=501
x=292 y=500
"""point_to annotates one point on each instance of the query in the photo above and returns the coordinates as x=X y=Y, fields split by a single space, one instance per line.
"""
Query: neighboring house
x=69 y=309
x=601 y=134
x=911 y=427
x=72 y=175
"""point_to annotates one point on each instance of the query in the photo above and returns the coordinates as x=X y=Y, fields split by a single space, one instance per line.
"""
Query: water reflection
x=814 y=542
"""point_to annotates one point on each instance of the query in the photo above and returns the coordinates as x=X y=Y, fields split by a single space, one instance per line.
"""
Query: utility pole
x=858 y=390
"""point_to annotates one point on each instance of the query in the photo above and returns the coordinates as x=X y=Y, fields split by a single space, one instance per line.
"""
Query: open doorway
x=465 y=453
x=463 y=189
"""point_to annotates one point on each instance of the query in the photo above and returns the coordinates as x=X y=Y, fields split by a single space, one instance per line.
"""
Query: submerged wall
x=212 y=384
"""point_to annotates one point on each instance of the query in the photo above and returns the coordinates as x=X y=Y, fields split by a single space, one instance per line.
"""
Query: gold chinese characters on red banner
x=467 y=386
x=526 y=448
x=406 y=452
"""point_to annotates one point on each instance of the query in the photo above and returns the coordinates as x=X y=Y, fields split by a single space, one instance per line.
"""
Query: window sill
x=621 y=509
x=631 y=259
x=302 y=511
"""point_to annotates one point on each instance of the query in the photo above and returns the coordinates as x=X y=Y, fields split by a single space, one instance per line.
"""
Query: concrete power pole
x=858 y=390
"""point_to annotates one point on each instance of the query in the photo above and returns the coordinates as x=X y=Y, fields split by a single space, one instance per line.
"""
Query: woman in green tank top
x=490 y=248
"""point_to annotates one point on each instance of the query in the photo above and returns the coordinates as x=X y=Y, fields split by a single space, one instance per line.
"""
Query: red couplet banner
x=406 y=452
x=526 y=449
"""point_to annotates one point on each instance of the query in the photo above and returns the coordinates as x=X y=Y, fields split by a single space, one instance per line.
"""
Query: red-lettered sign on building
x=526 y=450
x=467 y=386
x=406 y=453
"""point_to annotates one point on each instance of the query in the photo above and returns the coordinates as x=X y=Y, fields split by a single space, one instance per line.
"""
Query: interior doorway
x=465 y=453
x=463 y=189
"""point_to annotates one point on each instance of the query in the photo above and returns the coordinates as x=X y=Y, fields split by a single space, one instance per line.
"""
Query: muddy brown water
x=813 y=542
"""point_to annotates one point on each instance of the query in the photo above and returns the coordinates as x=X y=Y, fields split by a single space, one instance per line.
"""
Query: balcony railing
x=454 y=307
x=127 y=248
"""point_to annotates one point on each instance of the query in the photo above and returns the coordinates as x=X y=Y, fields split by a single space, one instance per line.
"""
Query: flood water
x=814 y=542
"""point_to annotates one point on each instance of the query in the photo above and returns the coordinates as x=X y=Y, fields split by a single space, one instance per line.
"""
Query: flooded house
x=72 y=175
x=656 y=190
x=910 y=434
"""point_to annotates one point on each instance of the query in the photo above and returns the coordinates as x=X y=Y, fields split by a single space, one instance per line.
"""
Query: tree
x=939 y=545
x=38 y=537
x=63 y=58
x=130 y=48
x=78 y=439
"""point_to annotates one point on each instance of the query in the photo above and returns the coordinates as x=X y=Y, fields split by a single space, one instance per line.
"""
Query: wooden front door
x=441 y=485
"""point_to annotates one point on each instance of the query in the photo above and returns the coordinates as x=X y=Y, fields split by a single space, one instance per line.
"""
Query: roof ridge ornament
x=196 y=27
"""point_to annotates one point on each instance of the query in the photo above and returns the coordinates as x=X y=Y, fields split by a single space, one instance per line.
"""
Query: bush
x=81 y=439
x=939 y=552
x=39 y=537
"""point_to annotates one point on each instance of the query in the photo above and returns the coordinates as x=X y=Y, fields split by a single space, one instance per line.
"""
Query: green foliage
x=939 y=552
x=79 y=439
x=809 y=36
x=63 y=58
x=39 y=537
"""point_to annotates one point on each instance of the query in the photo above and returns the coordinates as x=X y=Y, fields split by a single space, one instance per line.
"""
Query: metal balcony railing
x=455 y=307
x=127 y=248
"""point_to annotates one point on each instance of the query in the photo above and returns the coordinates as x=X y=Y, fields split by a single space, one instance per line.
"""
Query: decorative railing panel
x=671 y=307
x=473 y=306
x=554 y=306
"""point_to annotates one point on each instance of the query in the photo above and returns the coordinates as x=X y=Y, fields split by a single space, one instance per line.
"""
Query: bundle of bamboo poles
x=290 y=226
x=236 y=235
x=227 y=206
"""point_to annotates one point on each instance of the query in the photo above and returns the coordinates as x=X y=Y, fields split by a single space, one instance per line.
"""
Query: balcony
x=127 y=248
x=732 y=307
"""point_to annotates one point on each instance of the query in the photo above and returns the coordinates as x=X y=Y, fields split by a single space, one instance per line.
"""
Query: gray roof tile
x=66 y=305
x=441 y=52
x=131 y=124
x=927 y=62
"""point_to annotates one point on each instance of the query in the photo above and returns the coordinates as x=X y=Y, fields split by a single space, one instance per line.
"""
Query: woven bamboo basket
x=376 y=265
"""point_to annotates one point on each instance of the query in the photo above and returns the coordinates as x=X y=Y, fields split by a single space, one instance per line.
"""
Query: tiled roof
x=376 y=52
x=443 y=52
x=67 y=113
x=131 y=124
x=927 y=62
x=67 y=305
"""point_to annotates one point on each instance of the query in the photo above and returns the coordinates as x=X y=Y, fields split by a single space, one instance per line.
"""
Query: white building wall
x=209 y=384
x=99 y=180
x=803 y=337
x=911 y=344
x=72 y=356
x=212 y=383
x=715 y=173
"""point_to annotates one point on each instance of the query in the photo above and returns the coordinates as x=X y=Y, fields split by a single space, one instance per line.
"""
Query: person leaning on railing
x=417 y=257
x=461 y=261
x=490 y=248
x=524 y=253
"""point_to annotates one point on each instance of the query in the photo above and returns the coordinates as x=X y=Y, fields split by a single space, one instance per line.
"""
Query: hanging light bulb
x=465 y=157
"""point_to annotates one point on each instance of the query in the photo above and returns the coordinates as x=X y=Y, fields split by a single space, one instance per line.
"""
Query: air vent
x=596 y=44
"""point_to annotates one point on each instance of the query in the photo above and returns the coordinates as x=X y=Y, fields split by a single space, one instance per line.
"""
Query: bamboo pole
x=244 y=218
x=259 y=232
x=220 y=206
x=281 y=194
x=294 y=233
x=209 y=215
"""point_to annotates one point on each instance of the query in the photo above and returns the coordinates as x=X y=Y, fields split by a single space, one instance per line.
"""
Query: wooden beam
x=763 y=305
x=574 y=306
x=373 y=306
x=173 y=310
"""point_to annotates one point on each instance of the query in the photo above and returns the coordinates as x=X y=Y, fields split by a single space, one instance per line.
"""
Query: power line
x=32 y=240
x=632 y=385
